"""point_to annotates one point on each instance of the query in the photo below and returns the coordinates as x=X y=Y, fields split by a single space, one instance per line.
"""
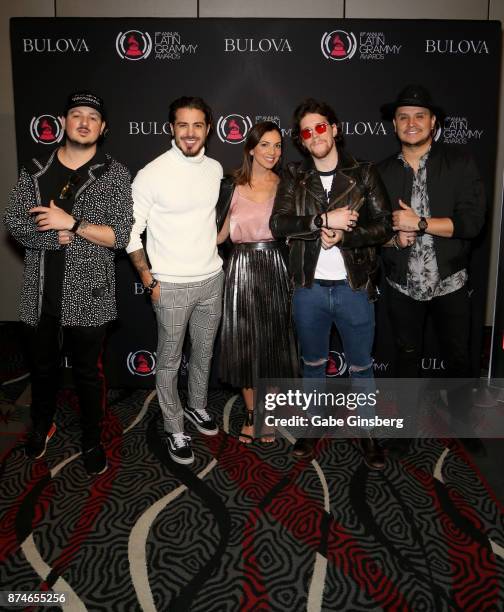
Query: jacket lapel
x=341 y=185
x=312 y=184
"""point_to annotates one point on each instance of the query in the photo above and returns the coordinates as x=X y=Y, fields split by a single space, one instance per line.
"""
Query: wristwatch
x=148 y=289
x=318 y=222
x=422 y=225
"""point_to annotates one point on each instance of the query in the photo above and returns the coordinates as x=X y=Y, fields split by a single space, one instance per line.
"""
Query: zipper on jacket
x=344 y=194
x=41 y=274
x=41 y=283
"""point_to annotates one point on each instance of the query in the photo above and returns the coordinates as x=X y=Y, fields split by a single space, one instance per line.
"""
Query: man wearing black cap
x=438 y=206
x=70 y=212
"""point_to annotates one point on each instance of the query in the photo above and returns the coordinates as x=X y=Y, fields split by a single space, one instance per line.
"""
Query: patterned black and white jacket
x=89 y=281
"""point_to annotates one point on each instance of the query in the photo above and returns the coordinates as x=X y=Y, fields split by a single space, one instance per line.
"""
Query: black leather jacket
x=227 y=187
x=300 y=197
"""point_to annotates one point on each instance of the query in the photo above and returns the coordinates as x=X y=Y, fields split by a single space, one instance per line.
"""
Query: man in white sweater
x=174 y=200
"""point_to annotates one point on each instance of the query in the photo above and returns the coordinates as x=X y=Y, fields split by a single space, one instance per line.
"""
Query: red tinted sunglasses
x=319 y=128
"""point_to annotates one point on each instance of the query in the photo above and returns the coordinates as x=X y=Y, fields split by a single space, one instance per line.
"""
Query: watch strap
x=422 y=225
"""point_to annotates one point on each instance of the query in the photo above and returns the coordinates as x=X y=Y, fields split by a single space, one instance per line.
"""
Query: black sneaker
x=36 y=442
x=203 y=422
x=179 y=447
x=95 y=460
x=475 y=446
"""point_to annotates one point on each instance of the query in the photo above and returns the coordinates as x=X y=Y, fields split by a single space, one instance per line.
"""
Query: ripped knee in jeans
x=357 y=369
x=317 y=363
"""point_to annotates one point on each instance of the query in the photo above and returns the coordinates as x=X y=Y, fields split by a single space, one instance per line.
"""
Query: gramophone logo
x=338 y=45
x=134 y=45
x=233 y=128
x=46 y=129
x=336 y=364
x=141 y=363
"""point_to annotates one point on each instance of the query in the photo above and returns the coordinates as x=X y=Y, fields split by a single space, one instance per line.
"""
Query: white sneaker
x=179 y=447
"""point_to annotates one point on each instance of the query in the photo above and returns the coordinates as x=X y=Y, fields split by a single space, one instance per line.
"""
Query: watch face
x=318 y=221
x=422 y=224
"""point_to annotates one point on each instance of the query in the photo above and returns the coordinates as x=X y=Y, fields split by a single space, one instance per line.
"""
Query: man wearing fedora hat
x=438 y=205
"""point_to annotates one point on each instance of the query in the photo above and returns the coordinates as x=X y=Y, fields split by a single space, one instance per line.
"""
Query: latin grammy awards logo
x=134 y=45
x=233 y=129
x=336 y=364
x=141 y=363
x=338 y=45
x=46 y=129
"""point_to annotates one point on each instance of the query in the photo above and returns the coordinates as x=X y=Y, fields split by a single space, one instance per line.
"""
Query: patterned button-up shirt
x=423 y=280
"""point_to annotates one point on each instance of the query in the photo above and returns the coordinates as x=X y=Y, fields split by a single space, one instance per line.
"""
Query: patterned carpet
x=246 y=528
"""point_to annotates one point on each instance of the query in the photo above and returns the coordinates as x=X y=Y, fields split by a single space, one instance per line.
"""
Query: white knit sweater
x=174 y=198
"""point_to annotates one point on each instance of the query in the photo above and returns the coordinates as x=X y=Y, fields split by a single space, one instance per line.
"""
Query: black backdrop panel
x=249 y=70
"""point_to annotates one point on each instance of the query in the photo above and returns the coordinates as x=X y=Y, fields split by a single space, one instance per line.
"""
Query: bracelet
x=148 y=289
x=396 y=244
x=326 y=221
x=76 y=225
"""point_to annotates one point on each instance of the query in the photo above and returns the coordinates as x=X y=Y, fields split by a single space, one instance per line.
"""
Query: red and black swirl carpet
x=246 y=528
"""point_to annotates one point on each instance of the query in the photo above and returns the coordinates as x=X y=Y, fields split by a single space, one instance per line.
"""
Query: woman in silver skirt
x=257 y=338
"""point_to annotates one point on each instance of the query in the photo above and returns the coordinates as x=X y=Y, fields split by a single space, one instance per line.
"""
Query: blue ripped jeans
x=315 y=310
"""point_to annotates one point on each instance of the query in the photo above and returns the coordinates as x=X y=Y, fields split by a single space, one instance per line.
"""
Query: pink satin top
x=249 y=220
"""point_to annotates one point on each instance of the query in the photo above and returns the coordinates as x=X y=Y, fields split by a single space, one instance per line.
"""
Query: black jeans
x=45 y=353
x=451 y=317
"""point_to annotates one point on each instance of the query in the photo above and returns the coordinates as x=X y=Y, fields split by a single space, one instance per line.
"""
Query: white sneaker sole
x=50 y=434
x=206 y=432
x=102 y=471
x=179 y=460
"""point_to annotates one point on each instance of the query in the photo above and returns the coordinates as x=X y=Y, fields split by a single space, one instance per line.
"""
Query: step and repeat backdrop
x=251 y=70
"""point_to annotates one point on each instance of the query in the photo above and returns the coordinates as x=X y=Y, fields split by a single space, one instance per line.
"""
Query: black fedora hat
x=412 y=95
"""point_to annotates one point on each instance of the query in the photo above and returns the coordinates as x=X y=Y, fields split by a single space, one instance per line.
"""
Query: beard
x=321 y=153
x=82 y=145
x=189 y=152
x=420 y=143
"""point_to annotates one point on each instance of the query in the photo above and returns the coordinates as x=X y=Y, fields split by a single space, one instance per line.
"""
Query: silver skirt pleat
x=257 y=339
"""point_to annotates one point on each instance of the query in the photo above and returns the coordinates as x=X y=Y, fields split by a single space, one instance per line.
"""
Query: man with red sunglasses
x=334 y=212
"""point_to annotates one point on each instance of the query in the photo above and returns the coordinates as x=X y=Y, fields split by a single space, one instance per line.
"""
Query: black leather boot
x=303 y=448
x=374 y=456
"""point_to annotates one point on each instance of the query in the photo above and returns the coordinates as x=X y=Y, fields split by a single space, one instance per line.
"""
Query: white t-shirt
x=330 y=264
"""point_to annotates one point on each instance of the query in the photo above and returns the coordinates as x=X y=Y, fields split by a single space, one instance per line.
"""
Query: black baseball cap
x=86 y=98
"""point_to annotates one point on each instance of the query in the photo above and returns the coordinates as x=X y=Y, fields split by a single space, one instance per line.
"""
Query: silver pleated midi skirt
x=257 y=339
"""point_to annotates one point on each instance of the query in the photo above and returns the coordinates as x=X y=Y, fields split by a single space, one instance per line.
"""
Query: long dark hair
x=243 y=175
